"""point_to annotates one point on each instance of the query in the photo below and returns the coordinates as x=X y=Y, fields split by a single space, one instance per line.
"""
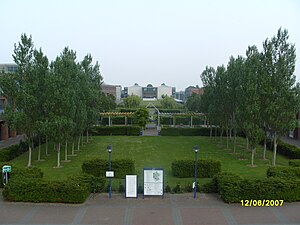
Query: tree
x=168 y=103
x=132 y=101
x=279 y=89
x=141 y=116
x=194 y=103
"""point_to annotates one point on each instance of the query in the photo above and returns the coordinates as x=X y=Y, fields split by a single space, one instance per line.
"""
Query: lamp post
x=196 y=149
x=109 y=150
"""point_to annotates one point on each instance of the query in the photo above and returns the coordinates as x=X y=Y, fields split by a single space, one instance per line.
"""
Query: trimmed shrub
x=98 y=167
x=294 y=163
x=288 y=150
x=206 y=168
x=95 y=184
x=284 y=172
x=22 y=189
x=172 y=131
x=116 y=130
x=233 y=188
x=11 y=152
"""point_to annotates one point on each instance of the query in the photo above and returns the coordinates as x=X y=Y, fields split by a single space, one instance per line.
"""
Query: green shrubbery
x=206 y=168
x=172 y=131
x=233 y=188
x=9 y=153
x=294 y=163
x=98 y=167
x=288 y=150
x=284 y=172
x=39 y=190
x=95 y=184
x=116 y=130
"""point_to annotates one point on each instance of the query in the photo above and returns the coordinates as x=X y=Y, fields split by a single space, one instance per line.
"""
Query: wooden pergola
x=192 y=115
x=110 y=115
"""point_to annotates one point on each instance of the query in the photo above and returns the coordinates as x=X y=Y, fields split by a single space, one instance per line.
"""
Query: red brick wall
x=4 y=132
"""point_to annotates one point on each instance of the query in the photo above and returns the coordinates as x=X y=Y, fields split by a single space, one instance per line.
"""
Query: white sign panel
x=153 y=182
x=110 y=174
x=131 y=186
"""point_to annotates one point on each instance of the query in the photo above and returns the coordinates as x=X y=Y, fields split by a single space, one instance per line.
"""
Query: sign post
x=6 y=170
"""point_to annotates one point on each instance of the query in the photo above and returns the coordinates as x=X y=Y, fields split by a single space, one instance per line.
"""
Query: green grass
x=154 y=152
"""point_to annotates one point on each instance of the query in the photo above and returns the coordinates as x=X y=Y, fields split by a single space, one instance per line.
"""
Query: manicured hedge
x=172 y=131
x=9 y=153
x=98 y=167
x=95 y=184
x=233 y=188
x=116 y=130
x=288 y=150
x=206 y=168
x=181 y=120
x=23 y=189
x=294 y=163
x=284 y=172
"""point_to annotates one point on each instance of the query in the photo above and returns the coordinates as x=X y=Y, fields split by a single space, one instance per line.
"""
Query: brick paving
x=181 y=209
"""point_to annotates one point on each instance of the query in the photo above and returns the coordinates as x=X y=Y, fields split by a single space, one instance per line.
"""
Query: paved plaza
x=174 y=209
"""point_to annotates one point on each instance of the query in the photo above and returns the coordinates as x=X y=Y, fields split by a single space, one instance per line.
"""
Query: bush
x=294 y=163
x=233 y=188
x=167 y=188
x=172 y=131
x=288 y=150
x=95 y=184
x=39 y=190
x=98 y=167
x=177 y=189
x=116 y=130
x=206 y=168
x=284 y=172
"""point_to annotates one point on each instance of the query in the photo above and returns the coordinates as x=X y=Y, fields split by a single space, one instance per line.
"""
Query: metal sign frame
x=129 y=178
x=156 y=182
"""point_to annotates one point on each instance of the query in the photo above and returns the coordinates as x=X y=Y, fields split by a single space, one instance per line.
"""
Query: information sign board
x=131 y=186
x=110 y=174
x=153 y=181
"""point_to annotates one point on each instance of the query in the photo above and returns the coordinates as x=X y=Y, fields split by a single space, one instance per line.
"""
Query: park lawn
x=154 y=152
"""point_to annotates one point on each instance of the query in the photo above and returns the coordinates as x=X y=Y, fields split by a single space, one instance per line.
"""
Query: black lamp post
x=109 y=150
x=196 y=149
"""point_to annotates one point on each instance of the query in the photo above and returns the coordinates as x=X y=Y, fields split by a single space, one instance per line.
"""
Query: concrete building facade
x=150 y=91
x=114 y=90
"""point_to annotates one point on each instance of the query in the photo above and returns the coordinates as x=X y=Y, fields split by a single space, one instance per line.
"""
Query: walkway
x=11 y=141
x=291 y=141
x=181 y=209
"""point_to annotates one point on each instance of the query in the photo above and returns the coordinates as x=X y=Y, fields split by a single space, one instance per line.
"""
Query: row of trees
x=256 y=94
x=57 y=100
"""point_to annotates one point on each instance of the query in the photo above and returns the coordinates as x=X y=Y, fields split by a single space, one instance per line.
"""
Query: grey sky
x=153 y=41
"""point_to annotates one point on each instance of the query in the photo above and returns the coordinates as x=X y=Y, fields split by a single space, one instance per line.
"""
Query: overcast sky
x=153 y=41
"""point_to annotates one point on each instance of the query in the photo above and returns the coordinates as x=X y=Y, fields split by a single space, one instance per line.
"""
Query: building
x=114 y=90
x=8 y=67
x=5 y=132
x=149 y=92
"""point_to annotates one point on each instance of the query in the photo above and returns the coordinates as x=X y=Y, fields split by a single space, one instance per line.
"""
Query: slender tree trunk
x=211 y=131
x=46 y=145
x=87 y=136
x=73 y=147
x=247 y=143
x=39 y=151
x=234 y=140
x=58 y=155
x=252 y=156
x=221 y=135
x=274 y=150
x=78 y=143
x=216 y=132
x=66 y=151
x=29 y=154
x=265 y=149
x=227 y=139
x=82 y=139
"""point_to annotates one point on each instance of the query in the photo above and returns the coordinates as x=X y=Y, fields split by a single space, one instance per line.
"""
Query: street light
x=109 y=150
x=196 y=149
